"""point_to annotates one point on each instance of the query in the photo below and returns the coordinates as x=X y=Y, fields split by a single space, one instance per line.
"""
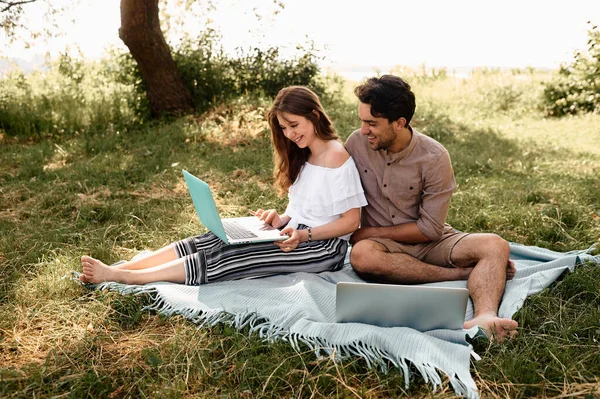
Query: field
x=112 y=191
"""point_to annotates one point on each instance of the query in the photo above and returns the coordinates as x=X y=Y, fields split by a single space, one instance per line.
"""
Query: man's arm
x=407 y=233
x=435 y=198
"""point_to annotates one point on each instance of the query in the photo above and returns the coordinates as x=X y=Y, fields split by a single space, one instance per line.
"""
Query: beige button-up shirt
x=414 y=185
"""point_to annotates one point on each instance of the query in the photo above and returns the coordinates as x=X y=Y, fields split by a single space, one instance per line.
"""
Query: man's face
x=379 y=131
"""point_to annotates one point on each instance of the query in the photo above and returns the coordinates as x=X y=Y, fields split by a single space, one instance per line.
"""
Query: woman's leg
x=158 y=257
x=166 y=254
x=234 y=262
x=97 y=272
x=221 y=262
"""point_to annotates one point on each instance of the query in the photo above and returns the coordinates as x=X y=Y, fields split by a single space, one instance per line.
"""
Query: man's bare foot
x=496 y=328
x=94 y=271
x=511 y=270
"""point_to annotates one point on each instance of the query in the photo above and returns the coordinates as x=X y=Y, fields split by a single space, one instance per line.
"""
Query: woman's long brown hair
x=288 y=157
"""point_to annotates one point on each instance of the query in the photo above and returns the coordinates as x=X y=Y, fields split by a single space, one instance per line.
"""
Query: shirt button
x=410 y=188
x=389 y=164
x=365 y=171
x=385 y=185
x=393 y=216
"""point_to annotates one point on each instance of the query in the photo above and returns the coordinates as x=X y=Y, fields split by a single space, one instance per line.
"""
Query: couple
x=403 y=238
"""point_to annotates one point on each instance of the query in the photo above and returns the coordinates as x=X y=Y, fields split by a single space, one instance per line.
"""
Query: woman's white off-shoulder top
x=320 y=195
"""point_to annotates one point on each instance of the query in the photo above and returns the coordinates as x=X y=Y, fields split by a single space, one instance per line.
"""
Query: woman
x=325 y=197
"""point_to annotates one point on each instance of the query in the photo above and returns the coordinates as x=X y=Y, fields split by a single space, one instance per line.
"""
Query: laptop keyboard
x=236 y=231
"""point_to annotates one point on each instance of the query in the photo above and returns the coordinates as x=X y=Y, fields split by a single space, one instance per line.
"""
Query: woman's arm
x=347 y=223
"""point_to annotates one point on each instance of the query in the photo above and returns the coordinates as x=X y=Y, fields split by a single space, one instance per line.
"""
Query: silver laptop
x=243 y=230
x=420 y=307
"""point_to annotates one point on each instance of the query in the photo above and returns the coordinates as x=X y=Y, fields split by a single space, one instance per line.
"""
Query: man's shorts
x=434 y=252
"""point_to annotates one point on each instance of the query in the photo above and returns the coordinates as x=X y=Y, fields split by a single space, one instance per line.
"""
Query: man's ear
x=399 y=123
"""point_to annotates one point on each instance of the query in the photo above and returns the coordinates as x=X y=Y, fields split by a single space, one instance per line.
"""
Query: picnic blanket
x=300 y=308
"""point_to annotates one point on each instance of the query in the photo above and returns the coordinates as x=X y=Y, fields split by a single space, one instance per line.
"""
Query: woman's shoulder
x=336 y=155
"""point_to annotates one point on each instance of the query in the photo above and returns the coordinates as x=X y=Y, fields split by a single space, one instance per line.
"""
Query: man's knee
x=476 y=247
x=494 y=246
x=363 y=256
x=499 y=245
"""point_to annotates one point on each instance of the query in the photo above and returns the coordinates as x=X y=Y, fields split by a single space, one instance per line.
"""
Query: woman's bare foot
x=94 y=271
x=496 y=328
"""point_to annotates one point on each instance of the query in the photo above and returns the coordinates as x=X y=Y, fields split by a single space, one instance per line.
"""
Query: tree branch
x=10 y=4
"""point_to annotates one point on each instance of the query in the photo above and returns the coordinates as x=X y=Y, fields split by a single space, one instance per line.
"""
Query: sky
x=370 y=34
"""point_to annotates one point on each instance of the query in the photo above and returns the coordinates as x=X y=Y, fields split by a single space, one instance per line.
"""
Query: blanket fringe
x=270 y=331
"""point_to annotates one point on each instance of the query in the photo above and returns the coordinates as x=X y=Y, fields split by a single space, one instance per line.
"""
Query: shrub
x=74 y=95
x=212 y=77
x=71 y=96
x=577 y=87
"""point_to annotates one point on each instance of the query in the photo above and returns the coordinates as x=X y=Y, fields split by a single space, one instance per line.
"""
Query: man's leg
x=372 y=261
x=488 y=253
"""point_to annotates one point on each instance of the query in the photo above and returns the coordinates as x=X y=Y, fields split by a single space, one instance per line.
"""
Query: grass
x=111 y=193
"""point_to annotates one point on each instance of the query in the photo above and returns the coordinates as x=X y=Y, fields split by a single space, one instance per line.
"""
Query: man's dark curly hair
x=389 y=96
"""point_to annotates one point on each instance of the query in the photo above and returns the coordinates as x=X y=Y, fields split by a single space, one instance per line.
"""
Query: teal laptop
x=243 y=230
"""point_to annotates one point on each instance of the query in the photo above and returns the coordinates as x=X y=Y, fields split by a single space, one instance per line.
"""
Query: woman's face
x=297 y=128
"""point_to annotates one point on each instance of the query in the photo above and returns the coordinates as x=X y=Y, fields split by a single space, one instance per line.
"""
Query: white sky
x=376 y=33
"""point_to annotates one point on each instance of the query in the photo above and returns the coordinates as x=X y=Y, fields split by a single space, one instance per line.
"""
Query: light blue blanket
x=300 y=308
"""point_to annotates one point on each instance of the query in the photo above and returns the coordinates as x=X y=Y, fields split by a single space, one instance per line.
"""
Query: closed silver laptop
x=419 y=307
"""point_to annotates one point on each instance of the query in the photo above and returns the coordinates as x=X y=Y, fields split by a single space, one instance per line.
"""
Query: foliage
x=76 y=96
x=71 y=98
x=577 y=87
x=17 y=24
x=213 y=77
x=496 y=91
x=422 y=75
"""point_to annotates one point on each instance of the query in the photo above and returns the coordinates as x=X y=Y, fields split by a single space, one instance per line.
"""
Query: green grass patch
x=114 y=191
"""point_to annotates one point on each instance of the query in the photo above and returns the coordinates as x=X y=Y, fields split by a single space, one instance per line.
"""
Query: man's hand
x=361 y=234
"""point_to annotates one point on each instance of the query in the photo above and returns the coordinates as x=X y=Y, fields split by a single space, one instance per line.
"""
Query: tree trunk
x=140 y=31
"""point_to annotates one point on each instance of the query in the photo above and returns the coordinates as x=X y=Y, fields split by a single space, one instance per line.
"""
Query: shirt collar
x=394 y=157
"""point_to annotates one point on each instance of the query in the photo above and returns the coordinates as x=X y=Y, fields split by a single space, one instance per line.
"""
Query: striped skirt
x=208 y=259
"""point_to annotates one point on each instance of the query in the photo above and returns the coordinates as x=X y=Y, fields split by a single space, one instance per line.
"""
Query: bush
x=212 y=77
x=74 y=96
x=577 y=87
x=70 y=97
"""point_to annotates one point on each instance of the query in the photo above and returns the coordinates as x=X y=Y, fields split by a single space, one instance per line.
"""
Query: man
x=408 y=181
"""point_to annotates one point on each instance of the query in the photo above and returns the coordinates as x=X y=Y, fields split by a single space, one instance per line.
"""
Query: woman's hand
x=292 y=242
x=271 y=217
